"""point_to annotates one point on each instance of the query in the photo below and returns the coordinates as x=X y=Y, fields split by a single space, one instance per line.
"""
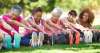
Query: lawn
x=58 y=48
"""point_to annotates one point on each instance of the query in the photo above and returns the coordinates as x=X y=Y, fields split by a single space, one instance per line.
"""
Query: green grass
x=58 y=48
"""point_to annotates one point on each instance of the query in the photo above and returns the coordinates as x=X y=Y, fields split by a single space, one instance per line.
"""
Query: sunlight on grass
x=63 y=48
x=58 y=51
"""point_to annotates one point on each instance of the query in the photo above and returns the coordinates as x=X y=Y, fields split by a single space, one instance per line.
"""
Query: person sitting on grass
x=86 y=19
x=5 y=32
x=14 y=20
x=74 y=35
x=36 y=36
x=54 y=27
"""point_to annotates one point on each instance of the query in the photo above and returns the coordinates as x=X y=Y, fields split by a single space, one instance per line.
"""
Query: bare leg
x=70 y=39
x=77 y=38
x=40 y=39
x=34 y=39
x=1 y=39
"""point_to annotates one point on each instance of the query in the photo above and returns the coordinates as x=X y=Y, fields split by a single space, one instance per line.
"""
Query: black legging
x=96 y=37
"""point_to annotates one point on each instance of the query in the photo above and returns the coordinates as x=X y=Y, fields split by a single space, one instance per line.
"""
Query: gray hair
x=16 y=9
x=57 y=12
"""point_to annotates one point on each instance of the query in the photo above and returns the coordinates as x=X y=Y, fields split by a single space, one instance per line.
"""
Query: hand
x=44 y=32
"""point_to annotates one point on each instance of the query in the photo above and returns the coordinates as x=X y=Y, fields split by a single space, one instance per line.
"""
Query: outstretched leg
x=77 y=41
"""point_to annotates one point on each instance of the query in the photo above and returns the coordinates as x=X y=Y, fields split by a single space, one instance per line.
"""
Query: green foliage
x=97 y=26
x=48 y=5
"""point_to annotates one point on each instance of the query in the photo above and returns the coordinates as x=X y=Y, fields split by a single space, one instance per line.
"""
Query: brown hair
x=73 y=12
x=90 y=17
x=38 y=9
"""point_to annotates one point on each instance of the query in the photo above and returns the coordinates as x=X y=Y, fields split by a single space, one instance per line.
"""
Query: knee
x=34 y=33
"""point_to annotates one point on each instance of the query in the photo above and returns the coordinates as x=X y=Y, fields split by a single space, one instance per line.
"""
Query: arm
x=10 y=21
x=34 y=25
x=47 y=26
x=53 y=25
x=73 y=26
x=78 y=26
x=24 y=21
x=6 y=26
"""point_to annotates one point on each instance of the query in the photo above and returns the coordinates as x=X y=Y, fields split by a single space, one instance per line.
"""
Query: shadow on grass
x=54 y=47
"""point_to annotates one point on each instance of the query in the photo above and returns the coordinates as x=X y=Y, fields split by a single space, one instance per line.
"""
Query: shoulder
x=5 y=16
